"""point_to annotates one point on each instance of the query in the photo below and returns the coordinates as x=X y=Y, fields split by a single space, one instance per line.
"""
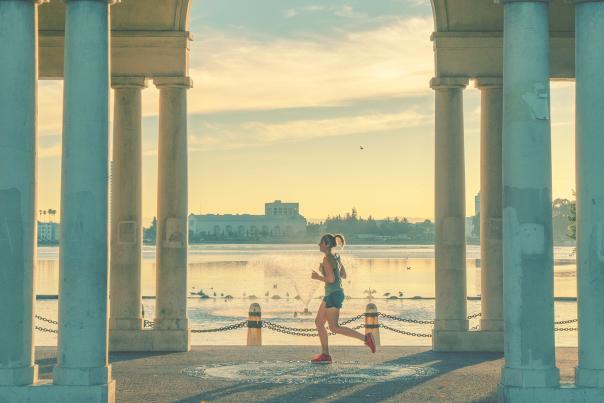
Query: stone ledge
x=149 y=340
x=46 y=391
x=565 y=393
x=466 y=341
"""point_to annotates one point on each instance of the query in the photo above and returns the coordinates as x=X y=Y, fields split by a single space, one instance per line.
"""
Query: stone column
x=18 y=75
x=126 y=206
x=589 y=29
x=527 y=203
x=172 y=189
x=491 y=258
x=82 y=346
x=450 y=242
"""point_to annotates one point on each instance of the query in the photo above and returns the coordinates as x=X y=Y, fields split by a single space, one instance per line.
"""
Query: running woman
x=332 y=273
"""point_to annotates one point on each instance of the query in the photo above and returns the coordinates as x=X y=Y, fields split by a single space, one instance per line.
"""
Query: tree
x=562 y=211
x=572 y=219
x=150 y=234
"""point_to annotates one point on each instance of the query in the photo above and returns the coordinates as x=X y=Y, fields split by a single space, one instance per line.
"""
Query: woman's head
x=329 y=241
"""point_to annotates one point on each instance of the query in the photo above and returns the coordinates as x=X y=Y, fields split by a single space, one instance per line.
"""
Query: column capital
x=488 y=82
x=160 y=82
x=128 y=82
x=448 y=82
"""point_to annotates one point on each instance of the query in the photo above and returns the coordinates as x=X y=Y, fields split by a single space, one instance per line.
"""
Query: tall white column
x=82 y=346
x=589 y=29
x=172 y=189
x=491 y=258
x=18 y=78
x=450 y=242
x=527 y=204
x=126 y=206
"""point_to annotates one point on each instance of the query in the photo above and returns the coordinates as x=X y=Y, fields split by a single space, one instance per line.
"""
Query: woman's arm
x=342 y=271
x=342 y=268
x=329 y=276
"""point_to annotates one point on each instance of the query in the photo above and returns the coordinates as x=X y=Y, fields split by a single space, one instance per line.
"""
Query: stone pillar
x=491 y=258
x=450 y=243
x=126 y=208
x=18 y=77
x=172 y=189
x=527 y=204
x=589 y=28
x=82 y=345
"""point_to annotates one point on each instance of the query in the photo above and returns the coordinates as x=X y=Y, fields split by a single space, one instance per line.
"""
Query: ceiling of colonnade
x=150 y=38
x=128 y=15
x=468 y=38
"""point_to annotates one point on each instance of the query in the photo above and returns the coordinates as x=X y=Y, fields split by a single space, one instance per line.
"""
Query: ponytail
x=340 y=241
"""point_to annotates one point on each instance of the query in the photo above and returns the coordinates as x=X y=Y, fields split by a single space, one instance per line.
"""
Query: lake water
x=278 y=276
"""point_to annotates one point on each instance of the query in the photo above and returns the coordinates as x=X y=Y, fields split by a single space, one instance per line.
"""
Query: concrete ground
x=158 y=377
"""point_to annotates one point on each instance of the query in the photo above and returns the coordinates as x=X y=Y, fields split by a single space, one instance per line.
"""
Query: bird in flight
x=362 y=148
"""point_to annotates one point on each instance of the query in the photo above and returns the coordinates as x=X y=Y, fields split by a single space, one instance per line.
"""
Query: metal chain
x=405 y=332
x=54 y=322
x=565 y=329
x=221 y=329
x=312 y=332
x=347 y=321
x=43 y=329
x=561 y=322
x=419 y=322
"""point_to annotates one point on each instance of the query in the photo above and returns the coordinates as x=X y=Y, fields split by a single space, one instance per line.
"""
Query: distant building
x=280 y=221
x=48 y=232
x=477 y=204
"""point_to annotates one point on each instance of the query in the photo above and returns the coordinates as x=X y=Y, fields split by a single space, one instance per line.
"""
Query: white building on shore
x=280 y=221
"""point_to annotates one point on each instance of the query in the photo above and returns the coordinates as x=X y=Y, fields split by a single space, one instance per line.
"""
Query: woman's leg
x=333 y=314
x=320 y=323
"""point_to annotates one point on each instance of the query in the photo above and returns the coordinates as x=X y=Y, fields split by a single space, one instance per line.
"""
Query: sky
x=285 y=94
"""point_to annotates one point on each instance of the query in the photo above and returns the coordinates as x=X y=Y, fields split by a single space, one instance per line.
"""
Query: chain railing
x=312 y=332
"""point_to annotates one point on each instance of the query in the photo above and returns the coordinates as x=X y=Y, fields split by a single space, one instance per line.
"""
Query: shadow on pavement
x=442 y=363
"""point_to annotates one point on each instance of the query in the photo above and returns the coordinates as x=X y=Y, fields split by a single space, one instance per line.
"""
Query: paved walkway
x=282 y=374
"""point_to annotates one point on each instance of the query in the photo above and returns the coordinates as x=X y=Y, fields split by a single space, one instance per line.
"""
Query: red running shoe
x=321 y=359
x=369 y=342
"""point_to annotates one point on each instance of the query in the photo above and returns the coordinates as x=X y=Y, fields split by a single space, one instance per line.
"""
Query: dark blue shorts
x=334 y=300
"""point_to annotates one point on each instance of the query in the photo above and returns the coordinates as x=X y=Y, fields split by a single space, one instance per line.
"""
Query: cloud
x=239 y=73
x=257 y=134
x=292 y=12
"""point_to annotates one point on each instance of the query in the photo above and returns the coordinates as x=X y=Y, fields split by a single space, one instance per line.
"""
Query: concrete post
x=527 y=204
x=126 y=209
x=254 y=325
x=450 y=244
x=82 y=343
x=18 y=77
x=372 y=322
x=172 y=234
x=589 y=29
x=491 y=258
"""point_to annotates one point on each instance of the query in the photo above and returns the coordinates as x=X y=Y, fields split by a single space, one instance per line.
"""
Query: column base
x=530 y=378
x=459 y=325
x=149 y=340
x=491 y=325
x=460 y=341
x=125 y=323
x=18 y=376
x=81 y=376
x=171 y=323
x=589 y=378
x=46 y=392
x=566 y=393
